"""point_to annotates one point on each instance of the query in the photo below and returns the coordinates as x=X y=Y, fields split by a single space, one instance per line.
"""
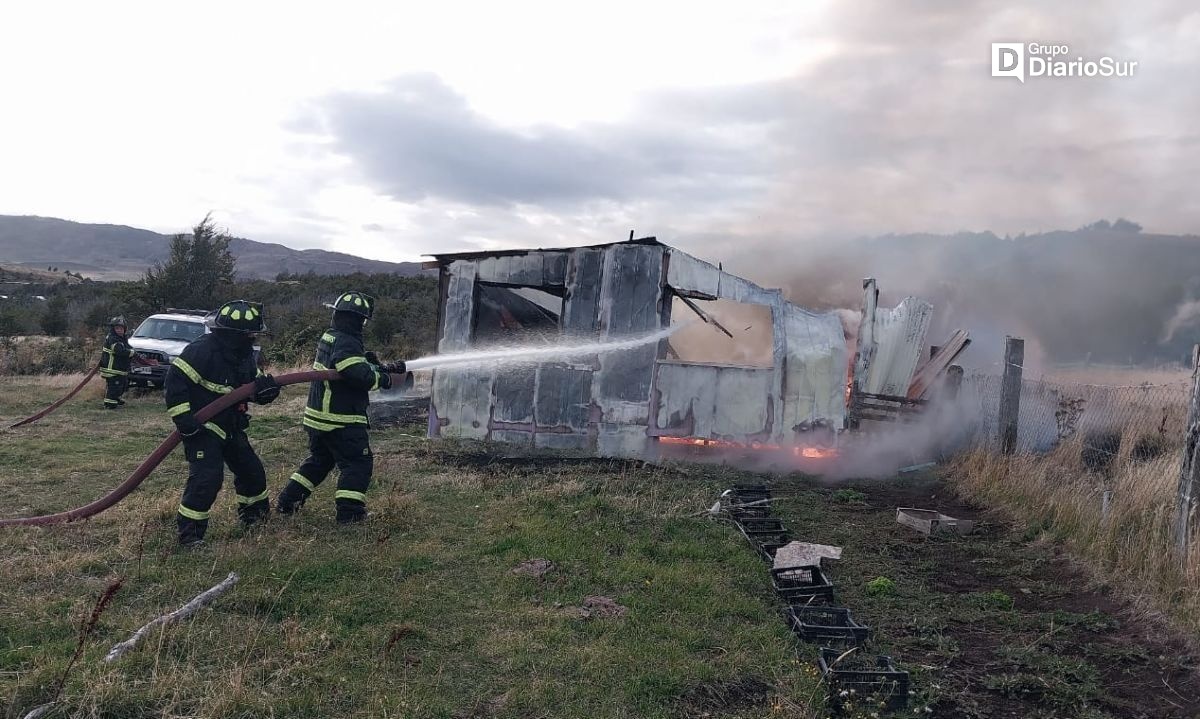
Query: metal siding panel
x=690 y=275
x=488 y=269
x=743 y=396
x=632 y=290
x=556 y=440
x=620 y=440
x=688 y=399
x=464 y=401
x=507 y=436
x=527 y=270
x=899 y=338
x=512 y=394
x=583 y=282
x=816 y=373
x=554 y=268
x=564 y=397
x=460 y=307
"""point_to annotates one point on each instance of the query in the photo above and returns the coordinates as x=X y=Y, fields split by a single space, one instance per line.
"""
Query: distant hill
x=113 y=252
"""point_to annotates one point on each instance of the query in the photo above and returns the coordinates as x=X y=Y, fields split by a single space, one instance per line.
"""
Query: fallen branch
x=38 y=711
x=183 y=612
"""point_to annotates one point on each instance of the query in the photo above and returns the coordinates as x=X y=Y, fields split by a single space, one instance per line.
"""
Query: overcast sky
x=390 y=130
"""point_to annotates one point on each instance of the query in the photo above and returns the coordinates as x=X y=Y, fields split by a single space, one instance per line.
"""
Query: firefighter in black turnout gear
x=114 y=363
x=336 y=415
x=214 y=365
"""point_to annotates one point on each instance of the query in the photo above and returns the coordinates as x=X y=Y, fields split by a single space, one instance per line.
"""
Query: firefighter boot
x=350 y=512
x=291 y=498
x=191 y=531
x=251 y=514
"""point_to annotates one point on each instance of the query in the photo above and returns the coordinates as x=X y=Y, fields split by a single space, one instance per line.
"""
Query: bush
x=881 y=587
x=55 y=320
x=43 y=355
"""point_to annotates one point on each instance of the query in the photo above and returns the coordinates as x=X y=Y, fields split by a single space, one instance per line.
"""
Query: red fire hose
x=35 y=417
x=241 y=394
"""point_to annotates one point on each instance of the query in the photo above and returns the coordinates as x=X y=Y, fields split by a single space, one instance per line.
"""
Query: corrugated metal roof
x=443 y=257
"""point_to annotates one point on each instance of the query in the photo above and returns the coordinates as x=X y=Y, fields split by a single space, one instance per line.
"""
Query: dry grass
x=1056 y=497
x=1116 y=376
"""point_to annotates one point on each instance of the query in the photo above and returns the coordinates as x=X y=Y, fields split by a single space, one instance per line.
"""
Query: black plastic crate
x=767 y=549
x=826 y=626
x=862 y=681
x=740 y=509
x=762 y=526
x=766 y=543
x=801 y=583
x=750 y=493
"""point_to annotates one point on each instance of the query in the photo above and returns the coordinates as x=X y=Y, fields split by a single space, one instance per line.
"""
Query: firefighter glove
x=372 y=358
x=385 y=380
x=266 y=390
x=187 y=425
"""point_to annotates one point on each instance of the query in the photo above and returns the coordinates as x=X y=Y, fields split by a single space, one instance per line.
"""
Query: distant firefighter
x=114 y=363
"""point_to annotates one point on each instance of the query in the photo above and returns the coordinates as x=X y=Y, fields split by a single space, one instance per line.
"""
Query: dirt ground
x=997 y=623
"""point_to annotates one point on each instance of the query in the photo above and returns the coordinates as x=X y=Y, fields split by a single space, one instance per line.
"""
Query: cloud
x=896 y=127
x=417 y=139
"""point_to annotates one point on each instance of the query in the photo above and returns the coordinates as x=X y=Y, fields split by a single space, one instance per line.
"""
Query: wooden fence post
x=1189 y=474
x=954 y=377
x=1010 y=393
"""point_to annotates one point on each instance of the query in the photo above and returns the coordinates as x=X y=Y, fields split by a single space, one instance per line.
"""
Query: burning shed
x=791 y=392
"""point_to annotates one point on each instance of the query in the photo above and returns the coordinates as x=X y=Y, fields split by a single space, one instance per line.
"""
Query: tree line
x=201 y=273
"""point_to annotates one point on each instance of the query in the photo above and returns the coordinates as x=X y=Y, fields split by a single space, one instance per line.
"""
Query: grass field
x=418 y=613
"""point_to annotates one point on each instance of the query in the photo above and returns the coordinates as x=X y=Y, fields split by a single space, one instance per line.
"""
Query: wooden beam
x=704 y=316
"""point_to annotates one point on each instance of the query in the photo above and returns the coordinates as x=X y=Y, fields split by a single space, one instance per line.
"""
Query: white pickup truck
x=161 y=337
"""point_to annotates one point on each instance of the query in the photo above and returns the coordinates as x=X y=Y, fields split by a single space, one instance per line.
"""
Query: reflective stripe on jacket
x=343 y=402
x=203 y=372
x=114 y=362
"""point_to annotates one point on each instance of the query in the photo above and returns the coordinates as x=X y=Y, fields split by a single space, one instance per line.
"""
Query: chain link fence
x=1144 y=418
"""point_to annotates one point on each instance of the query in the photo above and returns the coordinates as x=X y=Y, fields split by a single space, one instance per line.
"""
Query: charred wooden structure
x=630 y=404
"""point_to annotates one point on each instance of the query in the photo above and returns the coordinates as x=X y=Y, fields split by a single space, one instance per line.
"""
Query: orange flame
x=805 y=452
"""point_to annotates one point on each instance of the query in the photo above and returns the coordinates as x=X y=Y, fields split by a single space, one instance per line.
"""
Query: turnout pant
x=208 y=455
x=348 y=449
x=116 y=387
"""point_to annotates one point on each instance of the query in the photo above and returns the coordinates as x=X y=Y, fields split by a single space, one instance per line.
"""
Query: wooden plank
x=925 y=378
x=704 y=315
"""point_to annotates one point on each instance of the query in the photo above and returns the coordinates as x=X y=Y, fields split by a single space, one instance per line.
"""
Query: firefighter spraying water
x=336 y=415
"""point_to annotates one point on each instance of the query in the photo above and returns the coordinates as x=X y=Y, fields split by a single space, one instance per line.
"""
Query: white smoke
x=1186 y=315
